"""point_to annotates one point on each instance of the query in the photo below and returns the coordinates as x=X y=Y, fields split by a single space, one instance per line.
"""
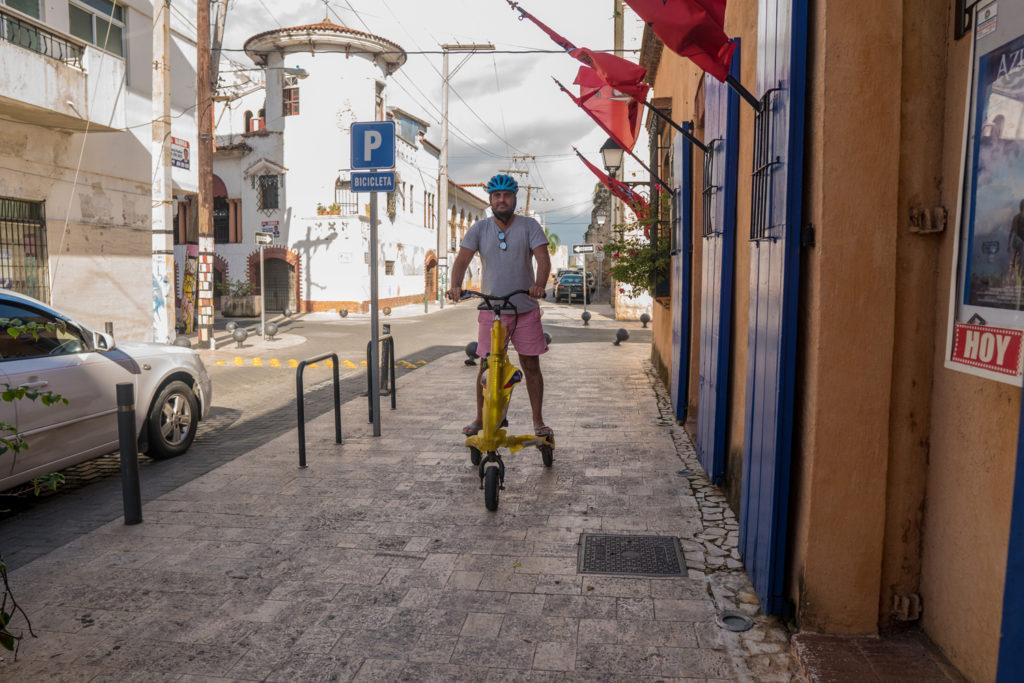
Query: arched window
x=248 y=121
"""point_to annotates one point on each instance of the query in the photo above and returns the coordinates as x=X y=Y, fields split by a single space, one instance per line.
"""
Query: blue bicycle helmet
x=502 y=182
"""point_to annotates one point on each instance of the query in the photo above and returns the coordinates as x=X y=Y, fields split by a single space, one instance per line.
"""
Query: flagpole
x=682 y=131
x=743 y=92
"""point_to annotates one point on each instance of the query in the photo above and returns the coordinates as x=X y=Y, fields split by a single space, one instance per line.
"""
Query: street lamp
x=612 y=154
x=601 y=218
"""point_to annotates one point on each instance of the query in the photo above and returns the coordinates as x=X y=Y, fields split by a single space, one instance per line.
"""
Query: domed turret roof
x=326 y=36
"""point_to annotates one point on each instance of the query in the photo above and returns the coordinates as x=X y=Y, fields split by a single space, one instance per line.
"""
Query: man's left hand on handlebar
x=454 y=294
x=537 y=292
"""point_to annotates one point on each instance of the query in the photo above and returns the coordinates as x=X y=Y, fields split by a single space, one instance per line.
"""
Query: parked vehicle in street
x=172 y=391
x=569 y=287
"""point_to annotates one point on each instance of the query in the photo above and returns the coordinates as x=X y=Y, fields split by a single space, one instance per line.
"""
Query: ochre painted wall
x=973 y=443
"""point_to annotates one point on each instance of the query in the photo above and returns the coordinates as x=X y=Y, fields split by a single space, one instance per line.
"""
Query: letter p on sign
x=373 y=145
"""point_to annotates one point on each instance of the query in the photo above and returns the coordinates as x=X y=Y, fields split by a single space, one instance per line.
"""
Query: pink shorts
x=527 y=333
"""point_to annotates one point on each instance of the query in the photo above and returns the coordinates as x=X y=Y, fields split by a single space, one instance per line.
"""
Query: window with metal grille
x=23 y=254
x=709 y=191
x=346 y=198
x=221 y=220
x=389 y=267
x=764 y=165
x=267 y=192
x=290 y=96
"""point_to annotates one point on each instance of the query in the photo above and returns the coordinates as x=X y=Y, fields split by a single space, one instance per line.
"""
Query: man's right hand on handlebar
x=454 y=293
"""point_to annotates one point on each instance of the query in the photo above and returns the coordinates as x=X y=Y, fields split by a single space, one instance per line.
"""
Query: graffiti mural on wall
x=190 y=288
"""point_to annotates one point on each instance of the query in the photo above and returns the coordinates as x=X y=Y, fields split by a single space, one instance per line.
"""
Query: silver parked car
x=172 y=392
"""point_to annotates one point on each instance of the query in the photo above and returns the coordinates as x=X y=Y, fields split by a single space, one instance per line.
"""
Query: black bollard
x=129 y=453
x=108 y=327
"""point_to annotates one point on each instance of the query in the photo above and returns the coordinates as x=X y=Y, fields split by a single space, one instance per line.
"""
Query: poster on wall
x=179 y=153
x=190 y=289
x=273 y=227
x=987 y=303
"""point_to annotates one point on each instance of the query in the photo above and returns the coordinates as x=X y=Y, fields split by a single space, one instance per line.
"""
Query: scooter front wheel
x=492 y=484
x=547 y=454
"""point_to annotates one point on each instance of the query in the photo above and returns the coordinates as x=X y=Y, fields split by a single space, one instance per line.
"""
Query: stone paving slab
x=380 y=562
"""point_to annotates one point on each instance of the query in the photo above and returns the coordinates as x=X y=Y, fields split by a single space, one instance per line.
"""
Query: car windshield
x=572 y=279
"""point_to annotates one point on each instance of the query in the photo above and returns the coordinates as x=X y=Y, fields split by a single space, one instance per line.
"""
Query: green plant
x=235 y=288
x=554 y=241
x=11 y=441
x=636 y=259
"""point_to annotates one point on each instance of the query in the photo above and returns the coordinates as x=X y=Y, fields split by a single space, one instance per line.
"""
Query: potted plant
x=239 y=300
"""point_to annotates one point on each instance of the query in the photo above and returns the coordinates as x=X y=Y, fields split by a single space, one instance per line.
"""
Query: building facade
x=809 y=339
x=76 y=109
x=282 y=166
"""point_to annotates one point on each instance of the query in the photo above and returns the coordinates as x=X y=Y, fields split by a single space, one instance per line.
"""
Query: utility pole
x=442 y=195
x=164 y=288
x=204 y=97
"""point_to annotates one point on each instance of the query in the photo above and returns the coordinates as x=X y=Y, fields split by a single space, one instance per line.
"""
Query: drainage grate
x=630 y=555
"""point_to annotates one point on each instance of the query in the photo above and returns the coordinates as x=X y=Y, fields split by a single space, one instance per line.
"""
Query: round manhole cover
x=736 y=622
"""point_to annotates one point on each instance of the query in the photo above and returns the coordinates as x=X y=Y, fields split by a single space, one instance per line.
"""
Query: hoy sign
x=995 y=349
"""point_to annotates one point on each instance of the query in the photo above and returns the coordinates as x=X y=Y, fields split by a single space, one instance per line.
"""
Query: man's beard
x=504 y=216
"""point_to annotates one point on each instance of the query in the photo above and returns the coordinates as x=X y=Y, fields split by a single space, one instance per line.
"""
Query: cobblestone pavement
x=380 y=562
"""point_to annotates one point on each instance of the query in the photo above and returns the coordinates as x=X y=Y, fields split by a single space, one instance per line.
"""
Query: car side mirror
x=103 y=341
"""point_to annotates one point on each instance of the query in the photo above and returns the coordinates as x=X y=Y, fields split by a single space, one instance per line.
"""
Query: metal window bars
x=709 y=191
x=765 y=163
x=23 y=253
x=30 y=36
x=267 y=192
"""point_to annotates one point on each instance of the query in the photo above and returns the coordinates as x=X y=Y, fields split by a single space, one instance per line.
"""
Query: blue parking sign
x=373 y=145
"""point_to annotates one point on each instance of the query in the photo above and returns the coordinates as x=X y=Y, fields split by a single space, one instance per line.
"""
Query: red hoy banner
x=996 y=349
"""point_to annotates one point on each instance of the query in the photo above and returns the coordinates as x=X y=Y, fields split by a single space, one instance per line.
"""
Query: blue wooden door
x=777 y=192
x=682 y=275
x=721 y=135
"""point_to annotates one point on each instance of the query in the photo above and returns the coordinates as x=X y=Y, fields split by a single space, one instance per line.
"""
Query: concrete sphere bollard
x=287 y=312
x=270 y=330
x=183 y=341
x=621 y=335
x=231 y=326
x=240 y=334
x=343 y=312
x=644 y=318
x=386 y=310
x=547 y=339
x=471 y=353
x=586 y=317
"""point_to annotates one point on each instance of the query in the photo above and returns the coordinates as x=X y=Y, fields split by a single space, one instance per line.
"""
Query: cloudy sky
x=501 y=104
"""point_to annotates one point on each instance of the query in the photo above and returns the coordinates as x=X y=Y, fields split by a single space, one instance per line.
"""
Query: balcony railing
x=31 y=36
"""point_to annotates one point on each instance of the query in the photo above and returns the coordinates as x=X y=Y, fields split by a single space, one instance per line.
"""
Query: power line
x=267 y=10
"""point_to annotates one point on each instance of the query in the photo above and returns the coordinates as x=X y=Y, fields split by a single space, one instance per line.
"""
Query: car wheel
x=172 y=421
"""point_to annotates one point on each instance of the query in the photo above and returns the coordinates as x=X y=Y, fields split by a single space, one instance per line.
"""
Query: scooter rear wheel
x=547 y=454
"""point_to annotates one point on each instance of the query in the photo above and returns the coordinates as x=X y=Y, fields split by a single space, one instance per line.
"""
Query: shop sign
x=986 y=317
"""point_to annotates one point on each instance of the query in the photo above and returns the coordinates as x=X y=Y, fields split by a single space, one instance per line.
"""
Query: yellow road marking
x=313 y=365
x=239 y=361
x=257 y=362
x=329 y=362
x=292 y=363
x=275 y=363
x=220 y=363
x=363 y=363
x=349 y=364
x=420 y=363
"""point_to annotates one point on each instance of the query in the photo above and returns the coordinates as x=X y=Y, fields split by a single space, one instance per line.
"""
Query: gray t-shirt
x=506 y=270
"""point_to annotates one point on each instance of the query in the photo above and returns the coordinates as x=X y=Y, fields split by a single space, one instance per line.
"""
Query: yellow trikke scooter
x=499 y=379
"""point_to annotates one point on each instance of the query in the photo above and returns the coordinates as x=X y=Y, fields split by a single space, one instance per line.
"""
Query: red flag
x=635 y=201
x=620 y=119
x=692 y=28
x=616 y=71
